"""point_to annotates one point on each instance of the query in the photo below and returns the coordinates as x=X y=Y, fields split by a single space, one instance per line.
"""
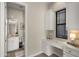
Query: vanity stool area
x=60 y=48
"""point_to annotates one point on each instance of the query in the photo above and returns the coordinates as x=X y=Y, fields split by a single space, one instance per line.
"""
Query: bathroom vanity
x=59 y=47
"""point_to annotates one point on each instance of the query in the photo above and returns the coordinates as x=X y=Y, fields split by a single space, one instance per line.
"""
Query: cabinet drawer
x=67 y=55
x=57 y=44
x=71 y=51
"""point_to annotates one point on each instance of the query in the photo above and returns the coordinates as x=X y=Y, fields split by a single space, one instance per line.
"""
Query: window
x=61 y=24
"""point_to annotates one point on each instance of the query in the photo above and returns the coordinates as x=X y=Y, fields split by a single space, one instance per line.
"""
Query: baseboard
x=36 y=54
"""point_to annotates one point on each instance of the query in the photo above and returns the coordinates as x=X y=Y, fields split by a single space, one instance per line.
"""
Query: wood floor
x=12 y=54
x=16 y=53
x=44 y=55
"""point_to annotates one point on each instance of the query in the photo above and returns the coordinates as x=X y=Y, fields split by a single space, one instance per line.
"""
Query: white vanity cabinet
x=53 y=46
x=50 y=20
x=65 y=54
x=70 y=51
x=60 y=48
x=47 y=49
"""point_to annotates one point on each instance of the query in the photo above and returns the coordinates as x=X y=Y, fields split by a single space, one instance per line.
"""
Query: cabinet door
x=67 y=55
x=47 y=49
x=50 y=20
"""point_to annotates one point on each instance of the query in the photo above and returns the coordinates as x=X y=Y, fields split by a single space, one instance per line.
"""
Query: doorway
x=15 y=30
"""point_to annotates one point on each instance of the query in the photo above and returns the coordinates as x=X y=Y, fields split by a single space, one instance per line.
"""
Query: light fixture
x=74 y=37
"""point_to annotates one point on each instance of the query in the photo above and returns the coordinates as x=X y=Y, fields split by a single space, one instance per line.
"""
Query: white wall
x=72 y=16
x=36 y=13
x=58 y=6
x=72 y=10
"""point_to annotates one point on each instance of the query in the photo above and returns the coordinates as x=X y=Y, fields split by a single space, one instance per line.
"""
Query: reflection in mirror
x=12 y=28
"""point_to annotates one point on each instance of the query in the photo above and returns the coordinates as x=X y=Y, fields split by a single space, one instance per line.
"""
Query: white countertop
x=60 y=43
x=70 y=46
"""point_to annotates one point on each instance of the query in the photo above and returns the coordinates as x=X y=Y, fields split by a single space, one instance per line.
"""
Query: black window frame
x=65 y=36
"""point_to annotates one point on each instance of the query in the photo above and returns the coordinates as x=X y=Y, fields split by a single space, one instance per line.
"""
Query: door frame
x=4 y=27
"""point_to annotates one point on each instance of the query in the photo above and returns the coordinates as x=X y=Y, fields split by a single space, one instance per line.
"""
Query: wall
x=72 y=16
x=35 y=16
x=72 y=10
x=58 y=6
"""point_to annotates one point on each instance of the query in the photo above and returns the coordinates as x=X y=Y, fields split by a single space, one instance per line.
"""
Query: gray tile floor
x=44 y=55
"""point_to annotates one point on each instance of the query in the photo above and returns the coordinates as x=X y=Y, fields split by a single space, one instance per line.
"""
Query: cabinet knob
x=69 y=51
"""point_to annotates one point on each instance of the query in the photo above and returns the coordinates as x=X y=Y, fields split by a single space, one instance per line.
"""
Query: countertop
x=60 y=43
